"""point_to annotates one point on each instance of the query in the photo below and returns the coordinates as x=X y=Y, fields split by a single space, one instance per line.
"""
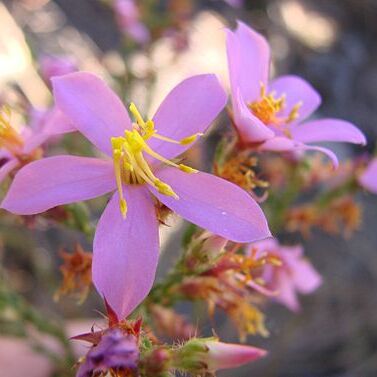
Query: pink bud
x=227 y=355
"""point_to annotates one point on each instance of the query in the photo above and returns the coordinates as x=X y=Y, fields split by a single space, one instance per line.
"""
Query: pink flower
x=51 y=66
x=18 y=147
x=295 y=275
x=126 y=241
x=128 y=19
x=368 y=178
x=272 y=114
x=226 y=355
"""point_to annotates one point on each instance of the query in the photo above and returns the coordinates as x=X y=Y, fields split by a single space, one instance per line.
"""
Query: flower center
x=130 y=165
x=268 y=107
x=10 y=139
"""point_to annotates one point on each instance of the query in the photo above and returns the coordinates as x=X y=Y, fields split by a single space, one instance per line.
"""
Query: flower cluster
x=231 y=261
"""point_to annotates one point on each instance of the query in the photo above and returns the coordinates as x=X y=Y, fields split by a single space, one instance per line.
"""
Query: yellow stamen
x=130 y=165
x=275 y=261
x=10 y=139
x=117 y=156
x=190 y=139
x=294 y=113
x=165 y=189
x=268 y=107
x=135 y=112
x=187 y=169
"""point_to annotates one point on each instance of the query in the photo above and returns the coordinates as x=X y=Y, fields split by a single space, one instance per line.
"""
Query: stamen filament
x=130 y=165
x=268 y=106
x=186 y=140
x=117 y=155
x=135 y=112
x=9 y=137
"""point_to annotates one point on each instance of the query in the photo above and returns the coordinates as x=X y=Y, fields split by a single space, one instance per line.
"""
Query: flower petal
x=226 y=355
x=369 y=178
x=54 y=181
x=278 y=144
x=284 y=144
x=328 y=130
x=57 y=123
x=305 y=277
x=250 y=128
x=214 y=204
x=92 y=106
x=286 y=291
x=126 y=251
x=50 y=123
x=188 y=109
x=328 y=152
x=296 y=90
x=248 y=59
x=8 y=167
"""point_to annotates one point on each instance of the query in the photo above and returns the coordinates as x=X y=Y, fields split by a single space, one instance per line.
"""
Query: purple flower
x=272 y=114
x=368 y=179
x=295 y=275
x=128 y=18
x=51 y=66
x=18 y=147
x=126 y=241
x=115 y=352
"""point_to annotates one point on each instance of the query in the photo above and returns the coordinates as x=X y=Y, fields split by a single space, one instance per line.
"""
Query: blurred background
x=331 y=43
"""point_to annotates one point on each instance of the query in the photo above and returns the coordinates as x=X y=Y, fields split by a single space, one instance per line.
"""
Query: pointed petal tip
x=92 y=106
x=232 y=213
x=189 y=108
x=125 y=252
x=53 y=181
x=58 y=80
x=329 y=130
x=227 y=355
x=368 y=178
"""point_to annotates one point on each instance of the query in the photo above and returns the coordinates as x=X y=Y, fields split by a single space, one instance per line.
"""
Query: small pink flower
x=226 y=355
x=18 y=147
x=128 y=18
x=368 y=179
x=51 y=66
x=139 y=168
x=295 y=275
x=272 y=114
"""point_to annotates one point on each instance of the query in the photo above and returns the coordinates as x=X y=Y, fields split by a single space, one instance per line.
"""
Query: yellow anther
x=134 y=141
x=187 y=169
x=164 y=188
x=149 y=130
x=190 y=139
x=294 y=113
x=117 y=142
x=130 y=165
x=135 y=112
x=275 y=261
x=123 y=207
x=268 y=106
x=10 y=139
x=260 y=281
